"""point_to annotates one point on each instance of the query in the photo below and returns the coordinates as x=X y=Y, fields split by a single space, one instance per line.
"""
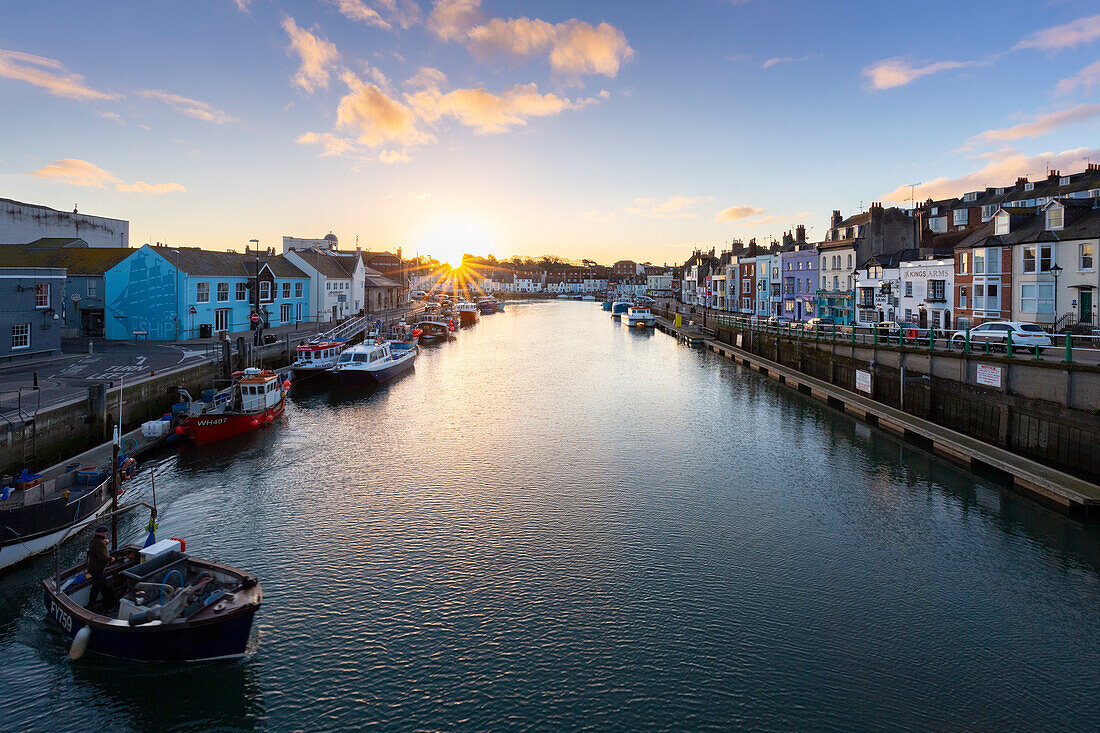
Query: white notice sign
x=863 y=381
x=739 y=341
x=989 y=375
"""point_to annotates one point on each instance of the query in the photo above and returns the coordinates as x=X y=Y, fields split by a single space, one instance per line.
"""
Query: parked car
x=820 y=324
x=995 y=333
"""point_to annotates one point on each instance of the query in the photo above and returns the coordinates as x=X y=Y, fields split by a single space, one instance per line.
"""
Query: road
x=67 y=376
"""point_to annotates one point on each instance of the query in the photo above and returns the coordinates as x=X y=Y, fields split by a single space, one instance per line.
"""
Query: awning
x=1083 y=287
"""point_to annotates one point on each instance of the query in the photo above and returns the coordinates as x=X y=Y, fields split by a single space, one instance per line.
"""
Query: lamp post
x=1056 y=270
x=256 y=285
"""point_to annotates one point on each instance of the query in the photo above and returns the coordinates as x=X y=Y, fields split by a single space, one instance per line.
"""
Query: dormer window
x=1063 y=181
x=1055 y=217
x=970 y=197
x=1001 y=224
x=1000 y=191
x=960 y=217
x=1029 y=186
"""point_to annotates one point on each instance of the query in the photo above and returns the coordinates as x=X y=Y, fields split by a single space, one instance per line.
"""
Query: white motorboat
x=371 y=364
x=639 y=316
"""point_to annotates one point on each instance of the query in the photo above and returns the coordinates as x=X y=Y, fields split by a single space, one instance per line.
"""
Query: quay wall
x=1047 y=411
x=69 y=428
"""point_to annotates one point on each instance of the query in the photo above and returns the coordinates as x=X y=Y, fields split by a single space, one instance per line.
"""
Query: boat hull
x=350 y=378
x=487 y=308
x=210 y=428
x=467 y=318
x=218 y=638
x=71 y=519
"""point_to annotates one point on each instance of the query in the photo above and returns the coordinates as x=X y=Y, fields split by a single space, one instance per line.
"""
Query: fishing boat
x=620 y=306
x=38 y=512
x=367 y=365
x=607 y=305
x=589 y=297
x=165 y=605
x=639 y=316
x=487 y=305
x=563 y=296
x=467 y=313
x=316 y=357
x=256 y=398
x=404 y=337
x=432 y=332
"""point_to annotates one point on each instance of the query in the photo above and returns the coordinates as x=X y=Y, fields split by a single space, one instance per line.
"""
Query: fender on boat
x=80 y=643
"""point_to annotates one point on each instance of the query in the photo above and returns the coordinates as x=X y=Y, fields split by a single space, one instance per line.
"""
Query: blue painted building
x=166 y=293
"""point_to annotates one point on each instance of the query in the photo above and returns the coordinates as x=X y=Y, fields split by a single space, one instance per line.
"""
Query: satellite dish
x=75 y=297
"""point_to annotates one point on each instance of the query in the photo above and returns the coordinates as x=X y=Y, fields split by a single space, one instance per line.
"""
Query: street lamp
x=1056 y=271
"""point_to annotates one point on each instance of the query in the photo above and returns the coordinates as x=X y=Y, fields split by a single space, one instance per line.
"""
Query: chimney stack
x=1021 y=180
x=836 y=218
x=800 y=233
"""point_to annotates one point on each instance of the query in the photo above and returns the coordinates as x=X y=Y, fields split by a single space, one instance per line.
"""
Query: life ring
x=378 y=341
x=911 y=333
x=127 y=470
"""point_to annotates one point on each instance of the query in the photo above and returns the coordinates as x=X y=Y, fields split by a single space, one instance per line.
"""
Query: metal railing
x=1065 y=347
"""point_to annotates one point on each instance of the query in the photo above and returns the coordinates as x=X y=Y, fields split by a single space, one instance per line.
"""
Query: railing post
x=931 y=339
x=876 y=334
x=1069 y=347
x=1008 y=345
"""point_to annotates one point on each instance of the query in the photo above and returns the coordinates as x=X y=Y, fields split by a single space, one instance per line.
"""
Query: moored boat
x=256 y=397
x=620 y=306
x=40 y=512
x=432 y=332
x=467 y=314
x=316 y=357
x=162 y=605
x=639 y=316
x=487 y=305
x=371 y=364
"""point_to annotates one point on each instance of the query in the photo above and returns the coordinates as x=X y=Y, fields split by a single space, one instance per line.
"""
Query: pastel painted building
x=798 y=270
x=174 y=293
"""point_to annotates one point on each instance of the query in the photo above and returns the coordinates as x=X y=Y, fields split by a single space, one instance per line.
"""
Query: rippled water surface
x=557 y=523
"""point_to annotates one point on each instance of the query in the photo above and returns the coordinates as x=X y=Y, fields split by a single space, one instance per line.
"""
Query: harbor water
x=555 y=523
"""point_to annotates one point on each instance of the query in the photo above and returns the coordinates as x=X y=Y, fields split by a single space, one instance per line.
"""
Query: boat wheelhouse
x=467 y=313
x=366 y=365
x=620 y=306
x=432 y=332
x=639 y=316
x=487 y=305
x=256 y=397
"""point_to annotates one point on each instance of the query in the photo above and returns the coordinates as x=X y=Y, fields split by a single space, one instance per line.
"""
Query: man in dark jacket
x=98 y=560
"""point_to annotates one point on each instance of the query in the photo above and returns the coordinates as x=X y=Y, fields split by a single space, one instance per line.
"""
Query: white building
x=24 y=223
x=327 y=242
x=337 y=282
x=659 y=285
x=927 y=295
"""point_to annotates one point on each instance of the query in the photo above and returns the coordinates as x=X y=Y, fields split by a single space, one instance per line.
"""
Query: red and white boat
x=256 y=398
x=317 y=357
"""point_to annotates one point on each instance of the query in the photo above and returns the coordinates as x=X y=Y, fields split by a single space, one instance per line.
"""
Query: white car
x=995 y=333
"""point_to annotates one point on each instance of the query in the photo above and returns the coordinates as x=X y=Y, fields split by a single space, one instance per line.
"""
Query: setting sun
x=453 y=237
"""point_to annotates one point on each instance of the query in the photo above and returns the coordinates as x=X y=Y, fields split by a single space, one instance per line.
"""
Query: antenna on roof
x=74 y=208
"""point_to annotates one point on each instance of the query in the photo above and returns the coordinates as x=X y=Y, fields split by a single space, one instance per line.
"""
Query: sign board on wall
x=739 y=341
x=989 y=375
x=863 y=381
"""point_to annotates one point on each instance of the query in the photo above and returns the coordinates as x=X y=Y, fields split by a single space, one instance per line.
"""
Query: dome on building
x=330 y=237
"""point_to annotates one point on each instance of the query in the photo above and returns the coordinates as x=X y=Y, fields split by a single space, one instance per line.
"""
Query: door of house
x=221 y=319
x=1086 y=306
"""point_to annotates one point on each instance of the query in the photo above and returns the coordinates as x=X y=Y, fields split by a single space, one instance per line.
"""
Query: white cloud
x=150 y=189
x=317 y=56
x=113 y=116
x=242 y=5
x=1041 y=125
x=76 y=172
x=676 y=207
x=405 y=13
x=776 y=60
x=489 y=113
x=375 y=118
x=190 y=107
x=427 y=77
x=1088 y=78
x=897 y=72
x=359 y=11
x=334 y=145
x=737 y=212
x=1003 y=168
x=394 y=156
x=575 y=48
x=1075 y=33
x=49 y=74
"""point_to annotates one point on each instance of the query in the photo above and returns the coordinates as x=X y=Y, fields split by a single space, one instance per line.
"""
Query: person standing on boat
x=98 y=560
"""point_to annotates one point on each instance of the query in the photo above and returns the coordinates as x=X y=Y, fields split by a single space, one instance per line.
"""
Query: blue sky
x=586 y=129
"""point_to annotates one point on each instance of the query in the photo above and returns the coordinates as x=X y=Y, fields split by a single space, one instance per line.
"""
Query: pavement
x=85 y=361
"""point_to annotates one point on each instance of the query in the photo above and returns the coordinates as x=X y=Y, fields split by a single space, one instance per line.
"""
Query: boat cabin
x=318 y=354
x=364 y=355
x=260 y=390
